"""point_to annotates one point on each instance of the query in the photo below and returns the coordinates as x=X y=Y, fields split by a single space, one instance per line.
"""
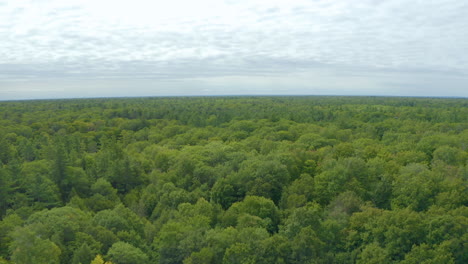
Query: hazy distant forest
x=234 y=180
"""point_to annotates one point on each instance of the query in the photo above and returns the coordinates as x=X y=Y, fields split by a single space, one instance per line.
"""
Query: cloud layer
x=190 y=47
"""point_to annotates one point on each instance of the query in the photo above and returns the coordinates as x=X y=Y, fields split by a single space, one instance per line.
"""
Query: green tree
x=34 y=182
x=415 y=188
x=219 y=239
x=395 y=231
x=299 y=218
x=298 y=193
x=373 y=254
x=60 y=226
x=450 y=155
x=424 y=254
x=82 y=255
x=306 y=246
x=27 y=248
x=257 y=206
x=7 y=225
x=340 y=175
x=264 y=178
x=239 y=253
x=104 y=196
x=275 y=249
x=5 y=191
x=204 y=256
x=124 y=253
x=226 y=192
x=58 y=171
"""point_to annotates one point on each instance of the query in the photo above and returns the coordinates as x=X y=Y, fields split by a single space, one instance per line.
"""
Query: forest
x=186 y=180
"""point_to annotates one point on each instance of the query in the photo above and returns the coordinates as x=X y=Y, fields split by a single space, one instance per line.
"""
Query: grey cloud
x=257 y=38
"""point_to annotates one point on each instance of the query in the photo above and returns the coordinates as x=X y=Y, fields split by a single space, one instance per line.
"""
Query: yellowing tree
x=99 y=260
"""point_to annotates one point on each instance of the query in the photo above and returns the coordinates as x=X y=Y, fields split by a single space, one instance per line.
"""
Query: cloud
x=220 y=40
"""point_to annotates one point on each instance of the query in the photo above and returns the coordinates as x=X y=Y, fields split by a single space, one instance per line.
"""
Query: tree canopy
x=234 y=180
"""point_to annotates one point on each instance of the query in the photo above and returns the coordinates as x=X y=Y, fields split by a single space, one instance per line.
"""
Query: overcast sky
x=80 y=48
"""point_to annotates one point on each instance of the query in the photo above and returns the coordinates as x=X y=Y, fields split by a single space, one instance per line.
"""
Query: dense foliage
x=234 y=180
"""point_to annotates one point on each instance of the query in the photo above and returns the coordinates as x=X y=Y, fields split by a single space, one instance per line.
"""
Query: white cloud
x=96 y=39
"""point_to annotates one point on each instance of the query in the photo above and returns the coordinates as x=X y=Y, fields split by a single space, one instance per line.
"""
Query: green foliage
x=298 y=193
x=262 y=208
x=373 y=254
x=27 y=247
x=239 y=253
x=82 y=255
x=8 y=225
x=43 y=192
x=104 y=196
x=427 y=255
x=205 y=255
x=124 y=253
x=306 y=246
x=307 y=216
x=450 y=155
x=234 y=180
x=415 y=188
x=5 y=190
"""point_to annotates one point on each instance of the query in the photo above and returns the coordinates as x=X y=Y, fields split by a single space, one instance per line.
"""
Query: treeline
x=234 y=180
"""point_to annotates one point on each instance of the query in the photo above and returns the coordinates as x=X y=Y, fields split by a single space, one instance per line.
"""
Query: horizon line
x=234 y=95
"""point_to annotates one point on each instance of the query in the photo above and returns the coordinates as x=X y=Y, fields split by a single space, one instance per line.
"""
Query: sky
x=112 y=48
